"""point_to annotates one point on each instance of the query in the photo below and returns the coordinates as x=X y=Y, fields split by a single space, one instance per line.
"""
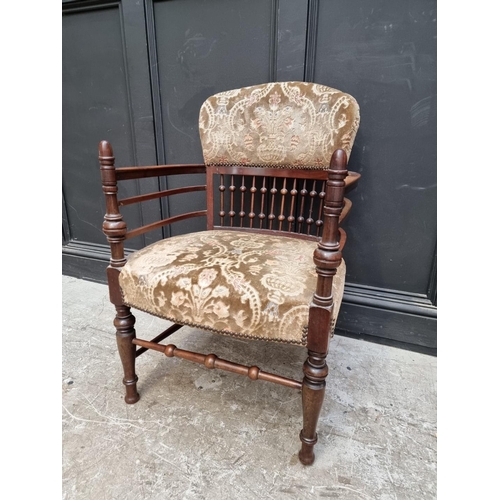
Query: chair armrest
x=351 y=180
x=127 y=173
x=345 y=210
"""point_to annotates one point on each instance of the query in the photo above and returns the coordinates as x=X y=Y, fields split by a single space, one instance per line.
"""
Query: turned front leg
x=115 y=229
x=125 y=333
x=313 y=393
x=327 y=258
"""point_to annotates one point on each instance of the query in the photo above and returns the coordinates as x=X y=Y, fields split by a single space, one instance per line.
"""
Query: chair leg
x=313 y=393
x=125 y=333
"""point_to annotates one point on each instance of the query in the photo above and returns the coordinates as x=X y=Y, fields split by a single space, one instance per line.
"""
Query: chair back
x=283 y=124
x=267 y=148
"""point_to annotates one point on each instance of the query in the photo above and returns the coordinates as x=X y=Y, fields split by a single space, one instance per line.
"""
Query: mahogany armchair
x=269 y=266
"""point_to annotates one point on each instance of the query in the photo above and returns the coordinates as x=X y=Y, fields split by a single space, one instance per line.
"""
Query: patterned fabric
x=292 y=124
x=231 y=282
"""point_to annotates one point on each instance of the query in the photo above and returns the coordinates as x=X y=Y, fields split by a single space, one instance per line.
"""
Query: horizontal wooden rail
x=345 y=210
x=343 y=238
x=298 y=173
x=163 y=222
x=351 y=180
x=169 y=331
x=160 y=194
x=127 y=173
x=212 y=361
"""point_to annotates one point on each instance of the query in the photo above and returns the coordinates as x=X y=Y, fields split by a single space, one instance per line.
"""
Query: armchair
x=269 y=266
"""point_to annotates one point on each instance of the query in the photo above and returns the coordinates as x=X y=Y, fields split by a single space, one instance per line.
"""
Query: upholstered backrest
x=283 y=124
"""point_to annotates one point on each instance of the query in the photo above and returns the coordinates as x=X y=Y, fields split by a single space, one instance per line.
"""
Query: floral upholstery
x=284 y=124
x=236 y=283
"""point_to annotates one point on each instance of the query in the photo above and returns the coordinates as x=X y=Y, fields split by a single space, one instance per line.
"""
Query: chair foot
x=306 y=454
x=131 y=394
x=313 y=393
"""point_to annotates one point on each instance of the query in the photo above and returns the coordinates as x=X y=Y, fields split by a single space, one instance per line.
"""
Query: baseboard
x=87 y=261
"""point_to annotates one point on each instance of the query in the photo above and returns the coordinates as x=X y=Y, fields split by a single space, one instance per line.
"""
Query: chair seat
x=236 y=283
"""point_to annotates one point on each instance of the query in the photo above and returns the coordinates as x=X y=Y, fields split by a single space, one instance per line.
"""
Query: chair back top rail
x=142 y=172
x=127 y=173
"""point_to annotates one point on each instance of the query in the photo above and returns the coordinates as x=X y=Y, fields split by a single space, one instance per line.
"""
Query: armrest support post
x=327 y=258
x=114 y=227
x=328 y=255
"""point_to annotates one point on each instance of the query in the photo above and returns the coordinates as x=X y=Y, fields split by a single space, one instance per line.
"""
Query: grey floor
x=199 y=433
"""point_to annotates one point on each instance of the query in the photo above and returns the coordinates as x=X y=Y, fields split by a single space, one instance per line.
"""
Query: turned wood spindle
x=253 y=190
x=222 y=188
x=310 y=220
x=211 y=361
x=319 y=221
x=271 y=215
x=242 y=204
x=291 y=217
x=303 y=194
x=232 y=213
x=263 y=192
x=281 y=216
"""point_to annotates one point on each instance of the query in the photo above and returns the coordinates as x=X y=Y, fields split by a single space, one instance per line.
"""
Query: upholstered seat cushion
x=235 y=283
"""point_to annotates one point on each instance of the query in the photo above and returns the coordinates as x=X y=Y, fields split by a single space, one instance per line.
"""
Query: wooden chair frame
x=327 y=257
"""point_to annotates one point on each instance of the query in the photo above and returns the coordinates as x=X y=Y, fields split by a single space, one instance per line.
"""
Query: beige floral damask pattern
x=292 y=124
x=230 y=282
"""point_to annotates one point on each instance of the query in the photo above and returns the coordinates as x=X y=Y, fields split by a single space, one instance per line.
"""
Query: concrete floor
x=199 y=433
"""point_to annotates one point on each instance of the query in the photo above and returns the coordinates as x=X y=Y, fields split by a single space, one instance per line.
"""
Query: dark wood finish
x=162 y=336
x=282 y=206
x=114 y=226
x=291 y=216
x=351 y=180
x=130 y=173
x=115 y=229
x=345 y=210
x=164 y=222
x=232 y=213
x=319 y=221
x=280 y=173
x=160 y=194
x=266 y=176
x=127 y=173
x=313 y=394
x=212 y=361
x=327 y=258
x=125 y=334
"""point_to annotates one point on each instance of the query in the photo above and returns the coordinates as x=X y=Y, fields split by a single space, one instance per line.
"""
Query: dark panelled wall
x=135 y=72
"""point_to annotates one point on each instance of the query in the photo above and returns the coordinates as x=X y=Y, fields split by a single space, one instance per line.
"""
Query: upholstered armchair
x=269 y=265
